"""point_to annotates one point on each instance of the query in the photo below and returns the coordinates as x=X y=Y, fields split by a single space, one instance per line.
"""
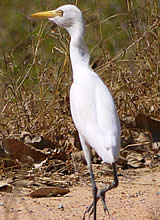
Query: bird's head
x=66 y=16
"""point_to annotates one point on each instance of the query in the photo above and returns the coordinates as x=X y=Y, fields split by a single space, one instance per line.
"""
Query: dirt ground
x=136 y=198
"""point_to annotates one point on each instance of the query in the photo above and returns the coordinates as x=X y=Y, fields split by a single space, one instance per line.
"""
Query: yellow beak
x=47 y=14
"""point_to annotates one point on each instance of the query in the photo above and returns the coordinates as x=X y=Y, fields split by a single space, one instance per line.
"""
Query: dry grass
x=35 y=87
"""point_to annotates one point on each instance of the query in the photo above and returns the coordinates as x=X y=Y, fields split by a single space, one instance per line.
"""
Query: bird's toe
x=101 y=195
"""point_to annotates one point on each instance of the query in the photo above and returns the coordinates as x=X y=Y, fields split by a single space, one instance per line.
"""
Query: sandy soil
x=136 y=198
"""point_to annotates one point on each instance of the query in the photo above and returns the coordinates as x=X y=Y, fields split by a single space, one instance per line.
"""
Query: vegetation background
x=35 y=71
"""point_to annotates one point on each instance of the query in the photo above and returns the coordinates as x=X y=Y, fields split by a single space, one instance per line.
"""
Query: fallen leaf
x=49 y=191
x=135 y=160
x=4 y=187
x=150 y=124
x=17 y=150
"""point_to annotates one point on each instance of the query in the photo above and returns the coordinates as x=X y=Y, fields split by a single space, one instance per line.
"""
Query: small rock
x=61 y=206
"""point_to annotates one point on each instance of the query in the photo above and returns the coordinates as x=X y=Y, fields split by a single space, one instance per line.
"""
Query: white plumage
x=95 y=116
x=92 y=106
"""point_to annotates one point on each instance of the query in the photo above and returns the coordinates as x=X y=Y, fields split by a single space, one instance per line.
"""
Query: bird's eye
x=60 y=12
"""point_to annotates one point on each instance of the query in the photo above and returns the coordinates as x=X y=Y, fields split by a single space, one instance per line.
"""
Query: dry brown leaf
x=5 y=187
x=147 y=123
x=135 y=160
x=17 y=150
x=49 y=191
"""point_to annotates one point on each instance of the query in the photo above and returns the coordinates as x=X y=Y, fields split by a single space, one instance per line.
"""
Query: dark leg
x=87 y=153
x=101 y=193
x=94 y=190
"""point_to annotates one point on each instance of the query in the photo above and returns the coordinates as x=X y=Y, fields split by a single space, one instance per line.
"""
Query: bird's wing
x=107 y=117
x=108 y=140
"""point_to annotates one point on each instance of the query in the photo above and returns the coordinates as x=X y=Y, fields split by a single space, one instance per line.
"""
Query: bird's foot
x=89 y=210
x=100 y=195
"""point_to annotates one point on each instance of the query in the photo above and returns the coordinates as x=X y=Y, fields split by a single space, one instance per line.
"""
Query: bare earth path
x=136 y=198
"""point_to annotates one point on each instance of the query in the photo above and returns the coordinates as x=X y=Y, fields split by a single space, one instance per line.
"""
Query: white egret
x=92 y=106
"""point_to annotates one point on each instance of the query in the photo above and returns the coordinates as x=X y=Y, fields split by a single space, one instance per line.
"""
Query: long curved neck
x=78 y=53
